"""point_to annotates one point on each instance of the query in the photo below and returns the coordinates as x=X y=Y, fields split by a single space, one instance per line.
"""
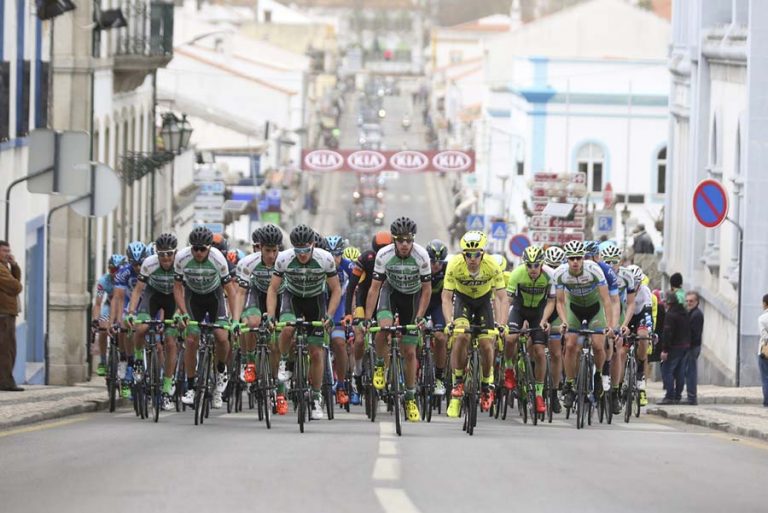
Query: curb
x=87 y=406
x=699 y=420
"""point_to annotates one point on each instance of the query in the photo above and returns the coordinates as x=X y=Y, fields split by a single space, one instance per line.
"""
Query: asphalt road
x=118 y=463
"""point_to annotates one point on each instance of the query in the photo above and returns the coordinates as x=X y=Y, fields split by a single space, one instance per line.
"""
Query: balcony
x=145 y=44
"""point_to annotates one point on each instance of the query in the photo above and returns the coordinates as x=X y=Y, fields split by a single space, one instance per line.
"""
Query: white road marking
x=387 y=448
x=386 y=469
x=395 y=500
x=386 y=430
x=643 y=426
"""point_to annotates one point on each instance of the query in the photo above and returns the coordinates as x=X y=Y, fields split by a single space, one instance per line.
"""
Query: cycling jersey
x=344 y=271
x=305 y=280
x=437 y=281
x=404 y=275
x=459 y=279
x=201 y=277
x=105 y=288
x=359 y=282
x=626 y=283
x=154 y=276
x=583 y=289
x=530 y=293
x=126 y=278
x=252 y=273
x=610 y=278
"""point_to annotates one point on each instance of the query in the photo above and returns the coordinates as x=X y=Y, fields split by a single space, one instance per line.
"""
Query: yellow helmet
x=533 y=255
x=351 y=253
x=473 y=240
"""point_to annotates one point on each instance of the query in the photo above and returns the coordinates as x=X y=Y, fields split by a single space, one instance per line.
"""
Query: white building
x=583 y=89
x=718 y=130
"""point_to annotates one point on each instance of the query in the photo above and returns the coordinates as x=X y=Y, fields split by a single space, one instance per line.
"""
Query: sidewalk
x=738 y=411
x=38 y=403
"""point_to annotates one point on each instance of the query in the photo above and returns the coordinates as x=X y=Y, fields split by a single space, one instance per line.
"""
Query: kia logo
x=366 y=160
x=408 y=161
x=323 y=160
x=452 y=161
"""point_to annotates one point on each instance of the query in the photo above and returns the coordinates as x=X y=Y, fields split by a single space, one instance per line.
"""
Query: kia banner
x=371 y=161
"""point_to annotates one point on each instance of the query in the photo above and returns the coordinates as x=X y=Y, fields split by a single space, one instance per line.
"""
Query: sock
x=251 y=357
x=487 y=380
x=191 y=383
x=280 y=388
x=123 y=356
x=640 y=371
x=103 y=360
x=317 y=393
x=606 y=367
x=509 y=363
x=570 y=381
x=221 y=367
x=130 y=361
x=539 y=389
x=410 y=394
x=167 y=385
x=615 y=387
x=439 y=373
x=458 y=376
x=379 y=362
x=138 y=354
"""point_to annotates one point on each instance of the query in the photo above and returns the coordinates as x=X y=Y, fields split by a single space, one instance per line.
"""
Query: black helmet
x=302 y=234
x=320 y=242
x=200 y=236
x=165 y=242
x=256 y=236
x=403 y=226
x=437 y=250
x=270 y=235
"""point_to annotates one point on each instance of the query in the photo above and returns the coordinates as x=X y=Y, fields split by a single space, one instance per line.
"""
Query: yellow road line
x=42 y=426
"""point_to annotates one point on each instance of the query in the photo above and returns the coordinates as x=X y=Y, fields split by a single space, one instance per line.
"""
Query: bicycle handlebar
x=394 y=329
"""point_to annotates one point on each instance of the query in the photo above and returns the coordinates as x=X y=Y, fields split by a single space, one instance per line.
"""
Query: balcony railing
x=150 y=29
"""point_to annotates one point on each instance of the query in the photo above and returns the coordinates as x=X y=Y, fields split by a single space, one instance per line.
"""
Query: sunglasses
x=575 y=258
x=200 y=249
x=403 y=239
x=166 y=253
x=473 y=254
x=302 y=250
x=533 y=266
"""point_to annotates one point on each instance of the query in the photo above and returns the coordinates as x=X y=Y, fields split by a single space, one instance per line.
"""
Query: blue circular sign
x=518 y=243
x=710 y=203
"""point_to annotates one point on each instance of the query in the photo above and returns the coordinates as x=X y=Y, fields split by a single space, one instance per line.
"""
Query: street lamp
x=175 y=133
x=624 y=218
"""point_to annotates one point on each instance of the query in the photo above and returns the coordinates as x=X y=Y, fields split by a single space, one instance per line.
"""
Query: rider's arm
x=502 y=305
x=446 y=296
x=335 y=288
x=426 y=295
x=548 y=309
x=615 y=310
x=118 y=300
x=178 y=297
x=630 y=302
x=373 y=295
x=95 y=313
x=605 y=298
x=233 y=298
x=138 y=290
x=274 y=286
x=349 y=299
x=561 y=312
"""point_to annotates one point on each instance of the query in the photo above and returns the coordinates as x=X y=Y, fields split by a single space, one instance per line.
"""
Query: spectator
x=642 y=243
x=762 y=349
x=691 y=359
x=10 y=288
x=676 y=282
x=675 y=343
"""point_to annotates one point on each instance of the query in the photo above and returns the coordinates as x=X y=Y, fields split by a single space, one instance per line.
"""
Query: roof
x=493 y=23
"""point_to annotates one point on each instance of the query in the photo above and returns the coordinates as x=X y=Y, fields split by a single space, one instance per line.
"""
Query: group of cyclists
x=548 y=297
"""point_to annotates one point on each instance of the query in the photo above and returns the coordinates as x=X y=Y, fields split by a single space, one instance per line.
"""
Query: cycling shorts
x=308 y=308
x=152 y=303
x=518 y=314
x=643 y=319
x=593 y=314
x=393 y=302
x=211 y=305
x=473 y=311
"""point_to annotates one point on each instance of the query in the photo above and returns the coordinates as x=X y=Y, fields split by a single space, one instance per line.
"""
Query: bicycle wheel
x=112 y=381
x=265 y=386
x=301 y=388
x=394 y=390
x=328 y=396
x=522 y=389
x=155 y=390
x=629 y=388
x=531 y=390
x=201 y=392
x=548 y=388
x=581 y=392
x=179 y=382
x=473 y=394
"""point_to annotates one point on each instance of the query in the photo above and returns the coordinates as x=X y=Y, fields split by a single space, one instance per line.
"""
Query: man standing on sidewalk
x=691 y=358
x=677 y=338
x=762 y=349
x=10 y=288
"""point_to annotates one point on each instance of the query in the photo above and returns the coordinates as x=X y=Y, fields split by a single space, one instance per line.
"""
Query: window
x=661 y=171
x=590 y=160
x=267 y=16
x=5 y=98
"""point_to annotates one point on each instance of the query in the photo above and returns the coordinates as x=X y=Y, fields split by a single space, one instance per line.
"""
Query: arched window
x=661 y=171
x=591 y=161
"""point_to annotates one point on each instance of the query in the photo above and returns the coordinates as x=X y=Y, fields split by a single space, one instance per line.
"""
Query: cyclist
x=472 y=280
x=201 y=277
x=153 y=294
x=105 y=289
x=402 y=285
x=641 y=323
x=357 y=293
x=553 y=258
x=305 y=270
x=582 y=283
x=532 y=295
x=335 y=244
x=437 y=255
x=125 y=280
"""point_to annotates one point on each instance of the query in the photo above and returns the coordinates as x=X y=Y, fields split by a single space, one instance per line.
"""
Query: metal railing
x=149 y=29
x=136 y=165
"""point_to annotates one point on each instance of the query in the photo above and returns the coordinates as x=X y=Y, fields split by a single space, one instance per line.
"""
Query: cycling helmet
x=381 y=239
x=256 y=236
x=115 y=261
x=233 y=256
x=574 y=248
x=149 y=249
x=591 y=248
x=403 y=226
x=637 y=273
x=437 y=251
x=302 y=235
x=611 y=254
x=200 y=236
x=554 y=256
x=135 y=252
x=335 y=244
x=320 y=242
x=220 y=243
x=352 y=253
x=166 y=241
x=502 y=261
x=533 y=255
x=474 y=239
x=605 y=244
x=270 y=235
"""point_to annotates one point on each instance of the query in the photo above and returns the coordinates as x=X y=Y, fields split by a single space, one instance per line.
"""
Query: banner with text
x=372 y=161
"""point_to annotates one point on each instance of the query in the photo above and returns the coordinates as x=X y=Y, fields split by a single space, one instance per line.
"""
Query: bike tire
x=154 y=386
x=474 y=394
x=112 y=381
x=265 y=380
x=394 y=366
x=328 y=395
x=581 y=392
x=629 y=379
x=201 y=386
x=531 y=390
x=301 y=388
x=548 y=388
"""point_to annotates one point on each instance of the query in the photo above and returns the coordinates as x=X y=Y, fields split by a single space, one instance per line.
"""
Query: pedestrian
x=676 y=283
x=677 y=339
x=642 y=243
x=10 y=288
x=762 y=349
x=696 y=318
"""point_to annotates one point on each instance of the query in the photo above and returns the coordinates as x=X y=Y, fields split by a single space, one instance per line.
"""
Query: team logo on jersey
x=408 y=161
x=452 y=161
x=323 y=160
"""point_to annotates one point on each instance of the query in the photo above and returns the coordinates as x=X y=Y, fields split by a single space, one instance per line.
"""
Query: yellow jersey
x=488 y=277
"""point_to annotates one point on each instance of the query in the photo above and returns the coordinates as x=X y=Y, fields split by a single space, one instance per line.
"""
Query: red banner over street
x=372 y=161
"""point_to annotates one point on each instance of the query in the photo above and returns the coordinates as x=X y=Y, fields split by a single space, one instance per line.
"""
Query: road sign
x=106 y=193
x=605 y=223
x=475 y=222
x=499 y=230
x=215 y=187
x=65 y=154
x=213 y=215
x=518 y=243
x=214 y=227
x=710 y=203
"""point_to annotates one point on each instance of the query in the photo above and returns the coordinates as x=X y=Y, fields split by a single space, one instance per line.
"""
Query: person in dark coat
x=674 y=347
x=691 y=360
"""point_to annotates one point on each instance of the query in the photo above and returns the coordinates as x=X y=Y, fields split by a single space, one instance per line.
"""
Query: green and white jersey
x=305 y=280
x=404 y=275
x=252 y=273
x=626 y=283
x=581 y=290
x=201 y=277
x=155 y=277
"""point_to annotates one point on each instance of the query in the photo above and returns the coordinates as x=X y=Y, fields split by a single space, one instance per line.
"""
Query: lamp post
x=624 y=218
x=175 y=134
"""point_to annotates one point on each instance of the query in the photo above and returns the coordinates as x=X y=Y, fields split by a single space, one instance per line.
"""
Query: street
x=118 y=463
